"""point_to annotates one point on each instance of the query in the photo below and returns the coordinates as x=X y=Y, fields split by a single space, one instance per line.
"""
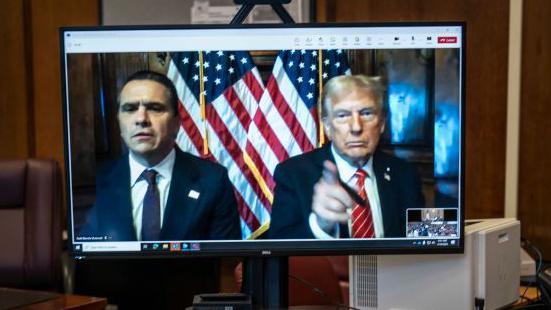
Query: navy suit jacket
x=212 y=216
x=398 y=184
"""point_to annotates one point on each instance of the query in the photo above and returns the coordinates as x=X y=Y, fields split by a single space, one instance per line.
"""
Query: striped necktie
x=362 y=220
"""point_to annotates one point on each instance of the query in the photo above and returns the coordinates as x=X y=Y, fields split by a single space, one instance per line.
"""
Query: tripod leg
x=243 y=12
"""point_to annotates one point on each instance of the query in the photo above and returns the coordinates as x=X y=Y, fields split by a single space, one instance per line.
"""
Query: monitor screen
x=264 y=139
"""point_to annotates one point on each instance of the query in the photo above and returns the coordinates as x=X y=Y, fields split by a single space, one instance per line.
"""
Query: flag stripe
x=239 y=110
x=190 y=129
x=289 y=116
x=184 y=143
x=278 y=127
x=246 y=232
x=270 y=136
x=232 y=147
x=253 y=82
x=260 y=164
x=256 y=90
x=246 y=213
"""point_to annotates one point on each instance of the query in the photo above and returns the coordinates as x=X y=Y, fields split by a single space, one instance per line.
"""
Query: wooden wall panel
x=30 y=87
x=486 y=81
x=14 y=131
x=46 y=16
x=534 y=208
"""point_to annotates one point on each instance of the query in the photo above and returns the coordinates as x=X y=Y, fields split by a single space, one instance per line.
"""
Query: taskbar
x=136 y=246
x=182 y=246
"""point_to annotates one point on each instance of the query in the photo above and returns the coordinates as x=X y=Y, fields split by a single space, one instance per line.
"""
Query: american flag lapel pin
x=193 y=194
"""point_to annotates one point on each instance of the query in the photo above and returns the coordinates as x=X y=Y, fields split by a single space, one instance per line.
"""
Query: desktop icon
x=165 y=246
x=155 y=246
x=195 y=246
x=174 y=246
x=145 y=246
x=185 y=246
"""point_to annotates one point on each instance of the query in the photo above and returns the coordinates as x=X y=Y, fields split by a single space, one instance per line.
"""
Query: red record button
x=447 y=39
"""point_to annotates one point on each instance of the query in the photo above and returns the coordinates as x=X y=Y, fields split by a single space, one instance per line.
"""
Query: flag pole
x=202 y=105
x=321 y=140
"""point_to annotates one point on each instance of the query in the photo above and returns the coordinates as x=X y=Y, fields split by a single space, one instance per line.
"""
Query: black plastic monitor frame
x=268 y=248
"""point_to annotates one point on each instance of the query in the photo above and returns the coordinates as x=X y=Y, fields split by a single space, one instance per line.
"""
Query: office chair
x=30 y=224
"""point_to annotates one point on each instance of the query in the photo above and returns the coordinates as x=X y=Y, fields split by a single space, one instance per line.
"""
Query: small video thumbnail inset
x=432 y=222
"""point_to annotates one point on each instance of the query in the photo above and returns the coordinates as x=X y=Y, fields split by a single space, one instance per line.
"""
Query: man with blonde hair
x=347 y=188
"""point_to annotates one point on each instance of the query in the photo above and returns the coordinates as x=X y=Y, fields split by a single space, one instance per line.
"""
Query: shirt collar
x=347 y=171
x=164 y=168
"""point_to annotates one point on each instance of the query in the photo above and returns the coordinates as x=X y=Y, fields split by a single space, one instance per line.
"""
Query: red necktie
x=362 y=220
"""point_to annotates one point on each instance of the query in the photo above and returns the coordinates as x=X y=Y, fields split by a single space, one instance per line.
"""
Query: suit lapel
x=179 y=212
x=118 y=205
x=383 y=174
x=324 y=154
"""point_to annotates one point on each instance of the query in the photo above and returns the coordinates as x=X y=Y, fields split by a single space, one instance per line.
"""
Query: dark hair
x=159 y=78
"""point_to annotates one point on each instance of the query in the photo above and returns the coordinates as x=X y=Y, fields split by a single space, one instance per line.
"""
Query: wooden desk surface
x=70 y=302
x=60 y=301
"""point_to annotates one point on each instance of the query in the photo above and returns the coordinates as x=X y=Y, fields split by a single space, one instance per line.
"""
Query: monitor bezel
x=267 y=248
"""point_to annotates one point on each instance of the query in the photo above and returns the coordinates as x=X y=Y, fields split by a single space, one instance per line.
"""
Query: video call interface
x=248 y=101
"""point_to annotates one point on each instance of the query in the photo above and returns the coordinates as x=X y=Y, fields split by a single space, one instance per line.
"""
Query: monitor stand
x=265 y=279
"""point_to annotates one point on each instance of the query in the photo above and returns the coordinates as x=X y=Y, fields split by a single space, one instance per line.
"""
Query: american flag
x=286 y=123
x=232 y=87
x=249 y=128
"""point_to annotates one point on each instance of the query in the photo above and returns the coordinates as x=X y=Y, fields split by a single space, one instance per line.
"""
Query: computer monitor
x=248 y=99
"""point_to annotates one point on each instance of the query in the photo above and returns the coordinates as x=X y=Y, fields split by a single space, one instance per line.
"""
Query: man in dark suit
x=156 y=191
x=348 y=188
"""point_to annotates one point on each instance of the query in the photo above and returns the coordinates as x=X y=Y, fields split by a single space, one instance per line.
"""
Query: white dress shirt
x=139 y=187
x=346 y=174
